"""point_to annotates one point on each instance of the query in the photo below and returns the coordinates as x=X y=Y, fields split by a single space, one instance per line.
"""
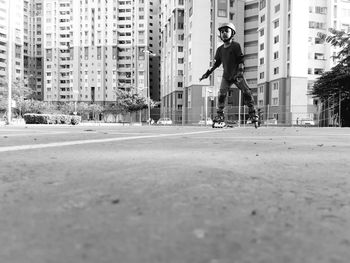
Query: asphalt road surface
x=114 y=194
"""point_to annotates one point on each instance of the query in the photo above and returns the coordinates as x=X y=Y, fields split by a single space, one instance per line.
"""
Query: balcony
x=3 y=65
x=251 y=50
x=251 y=37
x=251 y=12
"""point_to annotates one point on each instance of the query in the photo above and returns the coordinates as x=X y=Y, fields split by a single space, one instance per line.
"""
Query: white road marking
x=80 y=142
x=31 y=134
x=268 y=137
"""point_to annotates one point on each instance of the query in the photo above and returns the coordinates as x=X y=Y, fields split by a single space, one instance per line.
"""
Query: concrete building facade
x=283 y=54
x=292 y=56
x=11 y=33
x=172 y=58
x=190 y=39
x=33 y=51
x=93 y=47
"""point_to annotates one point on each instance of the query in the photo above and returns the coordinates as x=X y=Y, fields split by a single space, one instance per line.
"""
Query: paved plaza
x=147 y=194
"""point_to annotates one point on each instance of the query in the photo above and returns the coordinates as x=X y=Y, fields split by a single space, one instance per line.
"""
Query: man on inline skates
x=232 y=59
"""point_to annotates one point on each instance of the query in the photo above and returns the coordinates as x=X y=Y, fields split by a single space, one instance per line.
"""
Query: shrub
x=75 y=119
x=32 y=118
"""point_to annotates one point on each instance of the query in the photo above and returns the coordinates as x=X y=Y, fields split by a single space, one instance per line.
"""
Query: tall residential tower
x=292 y=56
x=11 y=33
x=190 y=39
x=93 y=47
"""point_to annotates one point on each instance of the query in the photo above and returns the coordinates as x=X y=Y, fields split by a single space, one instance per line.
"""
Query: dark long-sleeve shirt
x=230 y=57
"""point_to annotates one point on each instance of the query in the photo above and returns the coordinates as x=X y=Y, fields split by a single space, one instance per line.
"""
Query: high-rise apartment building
x=172 y=58
x=33 y=47
x=93 y=47
x=94 y=50
x=283 y=54
x=292 y=56
x=146 y=48
x=84 y=50
x=11 y=33
x=190 y=39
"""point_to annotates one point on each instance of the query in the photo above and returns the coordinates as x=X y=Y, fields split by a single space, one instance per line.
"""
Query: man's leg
x=242 y=84
x=225 y=85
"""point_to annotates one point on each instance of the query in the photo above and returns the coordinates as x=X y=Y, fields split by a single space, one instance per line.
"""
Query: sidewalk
x=20 y=122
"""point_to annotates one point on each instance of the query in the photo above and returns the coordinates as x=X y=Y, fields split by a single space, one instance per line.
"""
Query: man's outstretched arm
x=217 y=63
x=209 y=71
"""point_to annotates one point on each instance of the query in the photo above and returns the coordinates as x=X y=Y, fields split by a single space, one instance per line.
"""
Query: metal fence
x=269 y=115
x=321 y=115
x=324 y=114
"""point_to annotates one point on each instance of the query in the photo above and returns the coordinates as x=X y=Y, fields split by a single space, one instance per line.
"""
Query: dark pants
x=242 y=84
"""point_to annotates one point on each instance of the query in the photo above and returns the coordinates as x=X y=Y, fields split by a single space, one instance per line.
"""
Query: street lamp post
x=339 y=109
x=239 y=107
x=75 y=94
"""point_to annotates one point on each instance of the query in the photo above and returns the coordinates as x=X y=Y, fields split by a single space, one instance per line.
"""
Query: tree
x=336 y=82
x=67 y=108
x=341 y=39
x=95 y=110
x=19 y=93
x=128 y=102
x=333 y=82
x=35 y=106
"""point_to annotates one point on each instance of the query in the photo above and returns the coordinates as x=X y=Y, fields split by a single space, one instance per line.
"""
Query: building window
x=319 y=56
x=262 y=61
x=262 y=18
x=189 y=98
x=318 y=71
x=262 y=4
x=222 y=8
x=321 y=10
x=99 y=53
x=275 y=55
x=318 y=40
x=277 y=8
x=276 y=39
x=262 y=46
x=276 y=70
x=317 y=25
x=274 y=101
x=276 y=23
x=262 y=32
x=261 y=75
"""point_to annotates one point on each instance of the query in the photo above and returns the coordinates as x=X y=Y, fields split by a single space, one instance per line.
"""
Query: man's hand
x=239 y=75
x=205 y=75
